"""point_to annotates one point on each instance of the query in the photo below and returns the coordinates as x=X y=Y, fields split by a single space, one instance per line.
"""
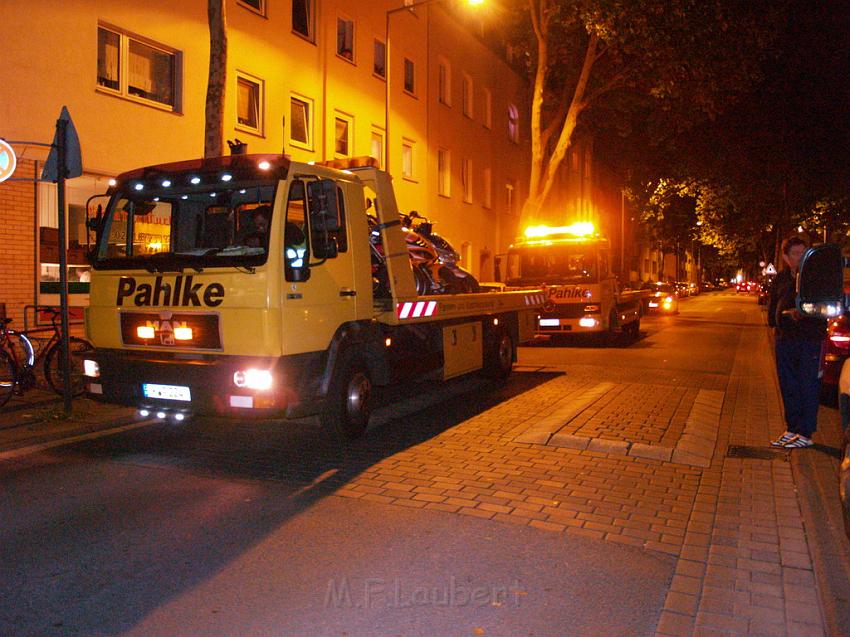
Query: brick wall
x=17 y=243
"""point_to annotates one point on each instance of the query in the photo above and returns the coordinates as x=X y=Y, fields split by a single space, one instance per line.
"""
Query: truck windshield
x=552 y=264
x=169 y=228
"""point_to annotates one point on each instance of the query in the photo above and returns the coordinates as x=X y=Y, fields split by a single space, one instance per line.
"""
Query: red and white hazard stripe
x=535 y=299
x=416 y=309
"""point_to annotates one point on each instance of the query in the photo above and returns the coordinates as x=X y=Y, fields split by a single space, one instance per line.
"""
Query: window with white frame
x=487 y=185
x=379 y=66
x=249 y=103
x=467 y=95
x=444 y=172
x=407 y=159
x=303 y=12
x=345 y=38
x=445 y=82
x=466 y=179
x=301 y=122
x=409 y=76
x=343 y=125
x=376 y=146
x=513 y=123
x=255 y=5
x=138 y=69
x=488 y=108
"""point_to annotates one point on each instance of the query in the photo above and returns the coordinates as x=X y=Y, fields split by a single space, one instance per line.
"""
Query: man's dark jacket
x=783 y=296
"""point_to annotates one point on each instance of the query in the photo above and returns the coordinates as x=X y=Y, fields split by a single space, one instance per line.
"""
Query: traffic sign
x=770 y=270
x=8 y=161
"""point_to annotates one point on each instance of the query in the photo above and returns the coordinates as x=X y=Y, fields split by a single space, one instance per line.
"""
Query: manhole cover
x=756 y=453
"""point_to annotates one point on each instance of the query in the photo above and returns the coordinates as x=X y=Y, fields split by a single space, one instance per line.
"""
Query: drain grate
x=755 y=453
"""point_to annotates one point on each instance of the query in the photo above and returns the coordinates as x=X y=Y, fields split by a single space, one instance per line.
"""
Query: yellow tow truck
x=245 y=286
x=572 y=264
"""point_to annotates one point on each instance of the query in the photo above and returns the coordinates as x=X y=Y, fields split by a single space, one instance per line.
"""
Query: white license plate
x=550 y=322
x=166 y=392
x=653 y=304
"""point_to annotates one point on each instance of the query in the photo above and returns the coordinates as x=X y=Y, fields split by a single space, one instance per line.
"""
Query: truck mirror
x=324 y=218
x=324 y=208
x=820 y=286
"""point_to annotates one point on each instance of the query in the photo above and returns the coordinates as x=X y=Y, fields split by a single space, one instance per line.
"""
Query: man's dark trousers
x=797 y=364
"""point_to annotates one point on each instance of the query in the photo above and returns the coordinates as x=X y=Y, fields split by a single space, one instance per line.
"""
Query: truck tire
x=499 y=358
x=349 y=400
x=608 y=338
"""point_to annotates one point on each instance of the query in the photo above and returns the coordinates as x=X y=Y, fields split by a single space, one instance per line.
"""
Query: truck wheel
x=349 y=400
x=499 y=359
x=634 y=329
x=608 y=338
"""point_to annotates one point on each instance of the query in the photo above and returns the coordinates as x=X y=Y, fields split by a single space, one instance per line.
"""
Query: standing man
x=798 y=345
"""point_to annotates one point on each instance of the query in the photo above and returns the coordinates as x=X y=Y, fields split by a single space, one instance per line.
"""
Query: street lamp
x=408 y=5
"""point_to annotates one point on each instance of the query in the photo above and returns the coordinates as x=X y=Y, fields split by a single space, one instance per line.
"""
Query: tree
x=687 y=57
x=217 y=81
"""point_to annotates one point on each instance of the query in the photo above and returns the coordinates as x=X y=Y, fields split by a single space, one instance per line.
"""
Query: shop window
x=137 y=69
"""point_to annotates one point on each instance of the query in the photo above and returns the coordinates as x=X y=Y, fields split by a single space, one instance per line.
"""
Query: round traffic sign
x=8 y=161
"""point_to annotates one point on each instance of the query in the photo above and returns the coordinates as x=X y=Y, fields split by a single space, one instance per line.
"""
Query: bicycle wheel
x=77 y=348
x=7 y=377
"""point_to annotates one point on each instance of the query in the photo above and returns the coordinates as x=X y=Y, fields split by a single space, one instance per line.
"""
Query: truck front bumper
x=204 y=384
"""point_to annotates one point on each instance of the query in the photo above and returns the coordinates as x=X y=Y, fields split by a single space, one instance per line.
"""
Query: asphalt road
x=222 y=528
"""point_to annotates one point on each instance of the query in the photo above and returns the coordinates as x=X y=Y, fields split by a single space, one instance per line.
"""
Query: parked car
x=835 y=350
x=683 y=288
x=664 y=299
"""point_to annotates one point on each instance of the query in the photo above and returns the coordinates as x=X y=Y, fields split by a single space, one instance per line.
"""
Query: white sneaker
x=784 y=438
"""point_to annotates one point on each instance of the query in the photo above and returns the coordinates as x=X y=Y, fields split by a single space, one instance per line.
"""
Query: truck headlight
x=91 y=368
x=259 y=379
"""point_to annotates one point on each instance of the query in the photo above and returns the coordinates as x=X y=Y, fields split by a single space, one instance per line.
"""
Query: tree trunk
x=543 y=172
x=214 y=114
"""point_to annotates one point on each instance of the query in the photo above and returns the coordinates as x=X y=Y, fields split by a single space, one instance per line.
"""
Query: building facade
x=315 y=79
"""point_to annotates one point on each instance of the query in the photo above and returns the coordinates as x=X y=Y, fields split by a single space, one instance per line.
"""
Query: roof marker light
x=166 y=183
x=195 y=180
x=264 y=165
x=139 y=186
x=226 y=177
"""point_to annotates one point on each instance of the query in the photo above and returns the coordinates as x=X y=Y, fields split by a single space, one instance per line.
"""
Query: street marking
x=25 y=451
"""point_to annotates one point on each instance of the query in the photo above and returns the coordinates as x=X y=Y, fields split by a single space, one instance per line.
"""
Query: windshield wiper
x=168 y=262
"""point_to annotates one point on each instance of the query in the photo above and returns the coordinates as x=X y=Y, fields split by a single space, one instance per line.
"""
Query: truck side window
x=295 y=253
x=342 y=235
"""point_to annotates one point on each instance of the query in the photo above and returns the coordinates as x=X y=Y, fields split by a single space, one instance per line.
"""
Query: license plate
x=550 y=322
x=166 y=392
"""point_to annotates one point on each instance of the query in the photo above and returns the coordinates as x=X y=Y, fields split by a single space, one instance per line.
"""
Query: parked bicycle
x=22 y=351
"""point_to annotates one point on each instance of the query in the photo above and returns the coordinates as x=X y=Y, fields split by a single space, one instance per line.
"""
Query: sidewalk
x=37 y=420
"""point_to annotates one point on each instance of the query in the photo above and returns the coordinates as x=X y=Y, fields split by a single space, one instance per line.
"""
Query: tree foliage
x=683 y=58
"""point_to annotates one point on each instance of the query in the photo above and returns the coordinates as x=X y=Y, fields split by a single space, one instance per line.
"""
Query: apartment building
x=316 y=79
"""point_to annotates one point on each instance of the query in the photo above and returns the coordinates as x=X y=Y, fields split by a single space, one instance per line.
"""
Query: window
x=467 y=95
x=407 y=159
x=445 y=83
x=136 y=69
x=342 y=135
x=487 y=178
x=256 y=5
x=345 y=38
x=379 y=67
x=488 y=108
x=376 y=146
x=249 y=103
x=302 y=18
x=466 y=179
x=444 y=172
x=409 y=76
x=301 y=124
x=513 y=123
x=510 y=198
